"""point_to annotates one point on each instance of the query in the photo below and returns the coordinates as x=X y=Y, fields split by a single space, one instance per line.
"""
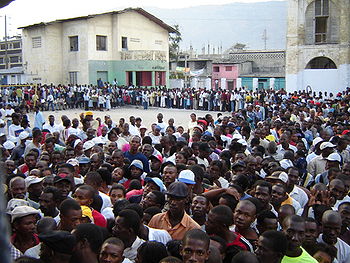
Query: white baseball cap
x=32 y=180
x=8 y=145
x=22 y=211
x=187 y=177
x=334 y=157
x=325 y=145
x=23 y=135
x=88 y=145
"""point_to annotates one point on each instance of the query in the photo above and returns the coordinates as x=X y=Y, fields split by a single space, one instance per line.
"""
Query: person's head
x=24 y=220
x=294 y=229
x=245 y=257
x=117 y=192
x=266 y=221
x=331 y=226
x=220 y=218
x=49 y=200
x=262 y=191
x=37 y=135
x=127 y=225
x=135 y=143
x=46 y=225
x=89 y=239
x=96 y=162
x=278 y=194
x=293 y=176
x=151 y=252
x=324 y=253
x=271 y=247
x=136 y=169
x=93 y=179
x=112 y=251
x=311 y=232
x=56 y=246
x=17 y=188
x=117 y=158
x=169 y=174
x=84 y=195
x=153 y=198
x=336 y=188
x=344 y=211
x=70 y=214
x=195 y=246
x=30 y=160
x=177 y=197
x=284 y=211
x=244 y=214
x=200 y=206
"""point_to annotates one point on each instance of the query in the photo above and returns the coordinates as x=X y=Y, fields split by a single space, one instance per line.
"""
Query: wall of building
x=301 y=47
x=227 y=73
x=119 y=69
x=43 y=64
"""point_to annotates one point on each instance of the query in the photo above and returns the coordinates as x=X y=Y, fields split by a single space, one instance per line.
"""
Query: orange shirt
x=161 y=221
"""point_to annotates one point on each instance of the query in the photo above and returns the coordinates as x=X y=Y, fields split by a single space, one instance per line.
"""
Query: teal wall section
x=118 y=69
x=264 y=83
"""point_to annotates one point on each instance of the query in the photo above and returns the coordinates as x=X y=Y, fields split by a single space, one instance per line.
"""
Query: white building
x=318 y=45
x=131 y=46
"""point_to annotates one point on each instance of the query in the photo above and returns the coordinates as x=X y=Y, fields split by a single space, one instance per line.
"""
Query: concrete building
x=11 y=70
x=318 y=45
x=260 y=69
x=252 y=69
x=131 y=46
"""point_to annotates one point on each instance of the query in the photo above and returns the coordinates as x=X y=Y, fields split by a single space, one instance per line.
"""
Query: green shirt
x=303 y=258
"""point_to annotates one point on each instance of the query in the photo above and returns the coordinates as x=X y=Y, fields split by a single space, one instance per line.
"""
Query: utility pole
x=6 y=57
x=264 y=37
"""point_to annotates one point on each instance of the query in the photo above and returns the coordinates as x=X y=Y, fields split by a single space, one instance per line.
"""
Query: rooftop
x=138 y=10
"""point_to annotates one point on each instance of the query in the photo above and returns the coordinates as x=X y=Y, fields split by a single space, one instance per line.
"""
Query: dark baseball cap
x=178 y=189
x=59 y=241
x=61 y=177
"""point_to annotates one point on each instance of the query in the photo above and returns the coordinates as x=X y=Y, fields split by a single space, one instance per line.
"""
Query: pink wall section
x=224 y=73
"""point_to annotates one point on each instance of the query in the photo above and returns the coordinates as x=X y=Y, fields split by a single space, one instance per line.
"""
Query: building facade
x=11 y=70
x=318 y=45
x=131 y=46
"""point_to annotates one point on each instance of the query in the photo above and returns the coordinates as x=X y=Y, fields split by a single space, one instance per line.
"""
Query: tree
x=174 y=43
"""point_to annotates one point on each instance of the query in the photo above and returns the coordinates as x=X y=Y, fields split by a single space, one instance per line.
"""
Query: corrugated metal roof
x=138 y=10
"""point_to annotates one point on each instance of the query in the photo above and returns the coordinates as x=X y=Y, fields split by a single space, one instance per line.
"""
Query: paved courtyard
x=181 y=116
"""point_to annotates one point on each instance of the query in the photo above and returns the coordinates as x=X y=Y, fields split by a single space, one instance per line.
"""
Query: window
x=73 y=77
x=124 y=43
x=3 y=46
x=216 y=69
x=73 y=43
x=101 y=43
x=321 y=20
x=17 y=45
x=14 y=59
x=36 y=42
x=1 y=60
x=228 y=68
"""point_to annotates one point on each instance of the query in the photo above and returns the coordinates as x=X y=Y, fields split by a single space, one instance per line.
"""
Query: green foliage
x=174 y=43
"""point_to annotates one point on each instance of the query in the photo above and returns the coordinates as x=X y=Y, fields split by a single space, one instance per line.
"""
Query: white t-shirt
x=343 y=254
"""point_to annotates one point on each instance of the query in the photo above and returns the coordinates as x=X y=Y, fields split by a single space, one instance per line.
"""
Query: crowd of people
x=106 y=96
x=268 y=182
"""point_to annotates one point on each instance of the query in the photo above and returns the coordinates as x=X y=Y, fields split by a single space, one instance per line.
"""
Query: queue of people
x=267 y=183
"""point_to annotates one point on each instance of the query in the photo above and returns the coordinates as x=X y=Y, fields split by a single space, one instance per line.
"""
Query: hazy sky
x=26 y=12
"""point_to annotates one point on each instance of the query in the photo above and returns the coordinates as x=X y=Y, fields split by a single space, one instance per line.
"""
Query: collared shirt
x=299 y=195
x=161 y=221
x=131 y=252
x=316 y=166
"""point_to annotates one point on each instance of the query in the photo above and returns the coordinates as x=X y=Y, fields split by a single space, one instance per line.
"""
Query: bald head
x=331 y=217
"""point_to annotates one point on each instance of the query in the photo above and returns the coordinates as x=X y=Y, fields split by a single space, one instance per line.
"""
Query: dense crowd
x=268 y=182
x=106 y=96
